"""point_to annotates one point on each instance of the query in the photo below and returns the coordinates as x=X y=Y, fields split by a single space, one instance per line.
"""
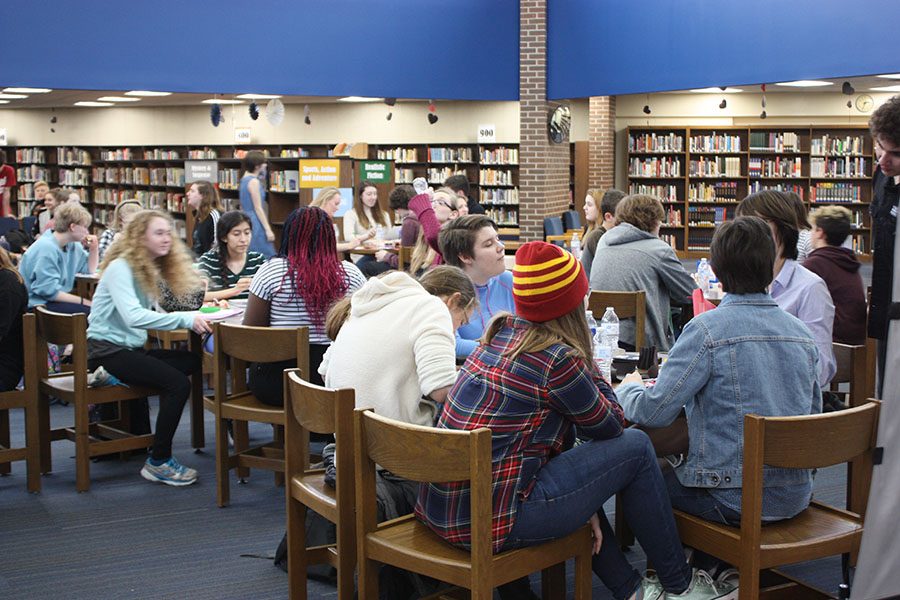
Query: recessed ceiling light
x=117 y=99
x=805 y=83
x=891 y=76
x=715 y=90
x=147 y=93
x=12 y=96
x=886 y=88
x=84 y=103
x=24 y=90
x=222 y=101
x=4 y=101
x=359 y=99
x=258 y=96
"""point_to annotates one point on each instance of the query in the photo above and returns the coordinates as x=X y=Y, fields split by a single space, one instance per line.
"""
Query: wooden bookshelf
x=701 y=173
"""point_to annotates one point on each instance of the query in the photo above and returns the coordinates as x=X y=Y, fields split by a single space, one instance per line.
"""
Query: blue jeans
x=699 y=502
x=575 y=484
x=68 y=308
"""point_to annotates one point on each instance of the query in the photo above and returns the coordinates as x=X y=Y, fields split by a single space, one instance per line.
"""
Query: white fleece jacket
x=396 y=347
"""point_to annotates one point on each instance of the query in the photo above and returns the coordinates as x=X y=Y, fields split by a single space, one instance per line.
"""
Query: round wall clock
x=864 y=103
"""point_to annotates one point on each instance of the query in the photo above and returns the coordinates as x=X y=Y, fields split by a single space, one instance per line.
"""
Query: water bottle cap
x=589 y=313
x=610 y=308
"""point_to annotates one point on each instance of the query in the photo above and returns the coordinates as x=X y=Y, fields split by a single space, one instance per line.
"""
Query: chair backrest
x=563 y=240
x=553 y=226
x=8 y=224
x=808 y=442
x=29 y=345
x=851 y=368
x=28 y=224
x=404 y=257
x=571 y=220
x=628 y=305
x=242 y=344
x=61 y=329
x=424 y=454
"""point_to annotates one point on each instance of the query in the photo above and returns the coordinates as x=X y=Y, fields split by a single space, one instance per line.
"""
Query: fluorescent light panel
x=27 y=90
x=117 y=99
x=359 y=99
x=805 y=83
x=12 y=96
x=4 y=101
x=886 y=88
x=94 y=104
x=258 y=96
x=891 y=76
x=715 y=90
x=222 y=101
x=147 y=93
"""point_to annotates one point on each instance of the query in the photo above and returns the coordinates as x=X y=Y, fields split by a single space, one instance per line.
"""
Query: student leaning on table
x=746 y=356
x=230 y=266
x=533 y=383
x=121 y=316
x=50 y=264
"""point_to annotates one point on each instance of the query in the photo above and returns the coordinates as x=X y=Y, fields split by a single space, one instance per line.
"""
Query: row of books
x=284 y=181
x=500 y=156
x=292 y=153
x=155 y=199
x=495 y=177
x=775 y=167
x=450 y=154
x=205 y=154
x=835 y=192
x=669 y=238
x=229 y=179
x=838 y=167
x=502 y=216
x=439 y=175
x=715 y=143
x=157 y=154
x=499 y=196
x=79 y=177
x=718 y=166
x=785 y=141
x=699 y=240
x=837 y=146
x=168 y=176
x=398 y=154
x=31 y=172
x=721 y=191
x=30 y=155
x=781 y=187
x=666 y=193
x=700 y=216
x=673 y=217
x=72 y=156
x=655 y=167
x=25 y=192
x=655 y=142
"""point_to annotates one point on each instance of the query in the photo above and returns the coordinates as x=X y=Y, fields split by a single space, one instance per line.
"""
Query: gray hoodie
x=629 y=259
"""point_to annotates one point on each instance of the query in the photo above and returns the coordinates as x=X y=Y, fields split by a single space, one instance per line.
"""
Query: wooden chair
x=427 y=454
x=851 y=369
x=313 y=408
x=91 y=439
x=803 y=442
x=404 y=257
x=26 y=398
x=628 y=305
x=564 y=240
x=240 y=345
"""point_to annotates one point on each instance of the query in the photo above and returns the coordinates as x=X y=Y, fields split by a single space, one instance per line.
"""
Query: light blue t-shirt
x=495 y=297
x=49 y=269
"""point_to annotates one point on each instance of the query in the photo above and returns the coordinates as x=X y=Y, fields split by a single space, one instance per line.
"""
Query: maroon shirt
x=840 y=270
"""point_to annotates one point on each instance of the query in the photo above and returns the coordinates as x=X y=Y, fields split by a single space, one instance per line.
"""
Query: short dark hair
x=779 y=208
x=252 y=159
x=885 y=121
x=834 y=221
x=742 y=255
x=610 y=201
x=400 y=196
x=457 y=183
x=457 y=237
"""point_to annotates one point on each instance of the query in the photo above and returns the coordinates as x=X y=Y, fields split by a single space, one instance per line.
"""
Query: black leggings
x=165 y=370
x=266 y=380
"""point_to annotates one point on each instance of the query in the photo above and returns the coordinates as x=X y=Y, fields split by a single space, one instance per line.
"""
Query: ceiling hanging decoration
x=432 y=112
x=215 y=114
x=306 y=118
x=763 y=114
x=390 y=102
x=254 y=111
x=275 y=112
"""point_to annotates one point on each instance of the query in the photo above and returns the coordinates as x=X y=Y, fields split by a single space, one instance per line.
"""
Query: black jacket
x=884 y=224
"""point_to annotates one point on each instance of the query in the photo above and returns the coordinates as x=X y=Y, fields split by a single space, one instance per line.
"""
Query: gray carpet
x=128 y=538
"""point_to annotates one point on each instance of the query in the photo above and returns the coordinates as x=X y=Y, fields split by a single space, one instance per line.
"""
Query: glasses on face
x=435 y=201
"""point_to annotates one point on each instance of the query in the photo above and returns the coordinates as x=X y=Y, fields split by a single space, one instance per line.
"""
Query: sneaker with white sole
x=727 y=581
x=170 y=472
x=702 y=587
x=651 y=588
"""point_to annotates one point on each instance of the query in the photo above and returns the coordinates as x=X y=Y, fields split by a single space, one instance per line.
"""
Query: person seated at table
x=329 y=199
x=230 y=266
x=839 y=269
x=296 y=288
x=13 y=304
x=795 y=288
x=121 y=316
x=473 y=244
x=601 y=217
x=746 y=356
x=534 y=384
x=203 y=199
x=38 y=191
x=630 y=258
x=432 y=210
x=50 y=264
x=364 y=218
x=51 y=199
x=122 y=215
x=409 y=226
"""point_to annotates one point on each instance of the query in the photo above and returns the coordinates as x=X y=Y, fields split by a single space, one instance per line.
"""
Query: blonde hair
x=175 y=268
x=6 y=263
x=451 y=195
x=123 y=209
x=423 y=254
x=570 y=330
x=69 y=214
x=324 y=195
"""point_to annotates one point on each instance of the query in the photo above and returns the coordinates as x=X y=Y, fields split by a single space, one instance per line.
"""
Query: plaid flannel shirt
x=532 y=404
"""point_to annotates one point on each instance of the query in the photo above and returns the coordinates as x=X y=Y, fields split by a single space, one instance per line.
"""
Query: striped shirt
x=210 y=265
x=286 y=307
x=532 y=404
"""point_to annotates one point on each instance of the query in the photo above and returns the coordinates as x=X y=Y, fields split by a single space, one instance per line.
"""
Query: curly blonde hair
x=175 y=268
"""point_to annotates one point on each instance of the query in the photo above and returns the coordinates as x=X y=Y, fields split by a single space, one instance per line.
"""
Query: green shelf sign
x=377 y=171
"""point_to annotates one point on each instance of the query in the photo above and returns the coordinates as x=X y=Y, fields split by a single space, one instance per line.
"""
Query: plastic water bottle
x=575 y=245
x=703 y=275
x=609 y=328
x=602 y=355
x=420 y=185
x=379 y=235
x=592 y=322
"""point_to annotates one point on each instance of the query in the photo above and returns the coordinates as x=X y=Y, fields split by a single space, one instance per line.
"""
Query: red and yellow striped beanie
x=548 y=282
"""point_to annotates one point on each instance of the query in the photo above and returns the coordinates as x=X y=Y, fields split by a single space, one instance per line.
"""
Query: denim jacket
x=747 y=356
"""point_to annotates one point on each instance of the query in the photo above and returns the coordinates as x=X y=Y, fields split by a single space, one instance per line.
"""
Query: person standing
x=7 y=183
x=253 y=202
x=203 y=199
x=13 y=304
x=460 y=186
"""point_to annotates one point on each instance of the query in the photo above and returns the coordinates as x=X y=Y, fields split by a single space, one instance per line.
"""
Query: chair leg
x=583 y=576
x=241 y=442
x=553 y=582
x=5 y=467
x=346 y=559
x=278 y=440
x=748 y=583
x=43 y=411
x=296 y=549
x=222 y=471
x=82 y=448
x=368 y=579
x=33 y=447
x=624 y=535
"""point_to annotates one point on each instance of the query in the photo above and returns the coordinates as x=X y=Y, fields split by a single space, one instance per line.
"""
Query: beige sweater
x=396 y=347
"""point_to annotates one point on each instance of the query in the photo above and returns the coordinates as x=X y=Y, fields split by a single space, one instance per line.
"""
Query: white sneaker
x=727 y=582
x=702 y=587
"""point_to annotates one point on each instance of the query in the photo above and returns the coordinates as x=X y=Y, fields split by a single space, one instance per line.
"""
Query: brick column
x=543 y=167
x=602 y=142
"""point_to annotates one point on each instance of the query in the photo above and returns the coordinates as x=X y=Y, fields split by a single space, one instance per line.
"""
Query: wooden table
x=86 y=285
